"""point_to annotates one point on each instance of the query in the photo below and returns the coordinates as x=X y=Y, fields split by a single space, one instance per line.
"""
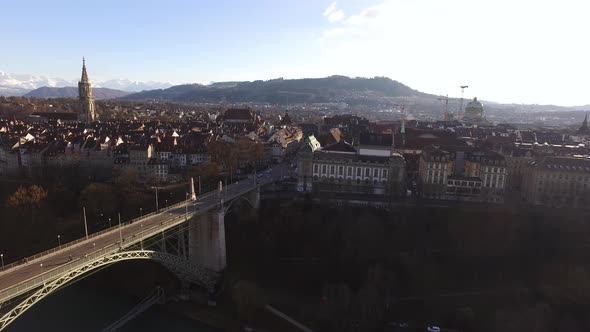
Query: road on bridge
x=25 y=271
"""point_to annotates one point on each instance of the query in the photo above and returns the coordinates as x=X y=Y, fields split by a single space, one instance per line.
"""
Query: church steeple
x=87 y=113
x=84 y=73
x=584 y=128
x=403 y=128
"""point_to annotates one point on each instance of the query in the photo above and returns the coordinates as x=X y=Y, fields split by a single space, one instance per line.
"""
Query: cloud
x=380 y=13
x=376 y=18
x=336 y=16
x=332 y=14
x=330 y=9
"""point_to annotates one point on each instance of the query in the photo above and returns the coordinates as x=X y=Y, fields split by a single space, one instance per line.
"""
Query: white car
x=433 y=329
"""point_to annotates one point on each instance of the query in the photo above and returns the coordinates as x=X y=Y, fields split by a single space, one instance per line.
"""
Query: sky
x=518 y=51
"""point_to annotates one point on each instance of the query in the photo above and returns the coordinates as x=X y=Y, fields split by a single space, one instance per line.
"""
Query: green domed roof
x=474 y=105
x=474 y=111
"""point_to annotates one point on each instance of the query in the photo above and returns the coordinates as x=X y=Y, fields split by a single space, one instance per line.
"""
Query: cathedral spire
x=87 y=110
x=584 y=129
x=84 y=73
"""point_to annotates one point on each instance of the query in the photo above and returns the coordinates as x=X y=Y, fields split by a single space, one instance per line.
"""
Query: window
x=324 y=169
x=358 y=171
x=375 y=172
x=340 y=170
x=315 y=168
x=367 y=172
x=332 y=169
x=384 y=173
x=349 y=171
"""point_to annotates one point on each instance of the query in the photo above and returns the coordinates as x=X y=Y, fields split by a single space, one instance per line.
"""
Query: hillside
x=281 y=91
x=72 y=92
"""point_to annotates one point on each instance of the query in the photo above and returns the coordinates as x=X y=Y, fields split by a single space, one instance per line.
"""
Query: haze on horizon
x=527 y=51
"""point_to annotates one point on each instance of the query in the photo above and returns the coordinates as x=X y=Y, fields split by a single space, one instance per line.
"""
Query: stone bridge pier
x=254 y=198
x=206 y=241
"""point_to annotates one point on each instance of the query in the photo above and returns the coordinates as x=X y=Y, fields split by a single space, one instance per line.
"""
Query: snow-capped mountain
x=18 y=84
x=132 y=86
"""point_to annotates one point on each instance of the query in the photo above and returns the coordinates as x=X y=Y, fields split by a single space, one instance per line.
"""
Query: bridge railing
x=47 y=273
x=69 y=245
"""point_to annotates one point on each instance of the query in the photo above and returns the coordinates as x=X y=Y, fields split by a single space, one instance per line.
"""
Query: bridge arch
x=226 y=208
x=178 y=265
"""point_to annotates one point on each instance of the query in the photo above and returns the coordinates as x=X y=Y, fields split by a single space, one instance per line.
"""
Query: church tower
x=87 y=113
x=584 y=129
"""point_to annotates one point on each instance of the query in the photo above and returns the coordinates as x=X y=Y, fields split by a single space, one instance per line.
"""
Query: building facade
x=558 y=182
x=465 y=174
x=374 y=168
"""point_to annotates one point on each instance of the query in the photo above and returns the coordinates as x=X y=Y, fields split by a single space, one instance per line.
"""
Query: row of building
x=160 y=152
x=462 y=163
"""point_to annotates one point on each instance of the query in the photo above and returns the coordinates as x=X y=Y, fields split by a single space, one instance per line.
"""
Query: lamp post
x=166 y=204
x=59 y=240
x=110 y=223
x=120 y=231
x=141 y=212
x=141 y=240
x=42 y=277
x=2 y=255
x=156 y=198
x=85 y=223
x=186 y=209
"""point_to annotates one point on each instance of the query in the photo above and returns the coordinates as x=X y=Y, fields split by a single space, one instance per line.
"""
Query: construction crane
x=460 y=112
x=446 y=113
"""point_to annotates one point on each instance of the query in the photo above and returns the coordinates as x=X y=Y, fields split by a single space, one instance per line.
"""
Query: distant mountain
x=72 y=92
x=18 y=85
x=281 y=91
x=132 y=86
x=225 y=84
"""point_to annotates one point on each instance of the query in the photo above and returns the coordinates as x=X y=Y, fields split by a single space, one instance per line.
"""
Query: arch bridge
x=187 y=238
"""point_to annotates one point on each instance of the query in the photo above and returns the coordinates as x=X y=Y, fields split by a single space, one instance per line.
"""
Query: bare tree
x=27 y=198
